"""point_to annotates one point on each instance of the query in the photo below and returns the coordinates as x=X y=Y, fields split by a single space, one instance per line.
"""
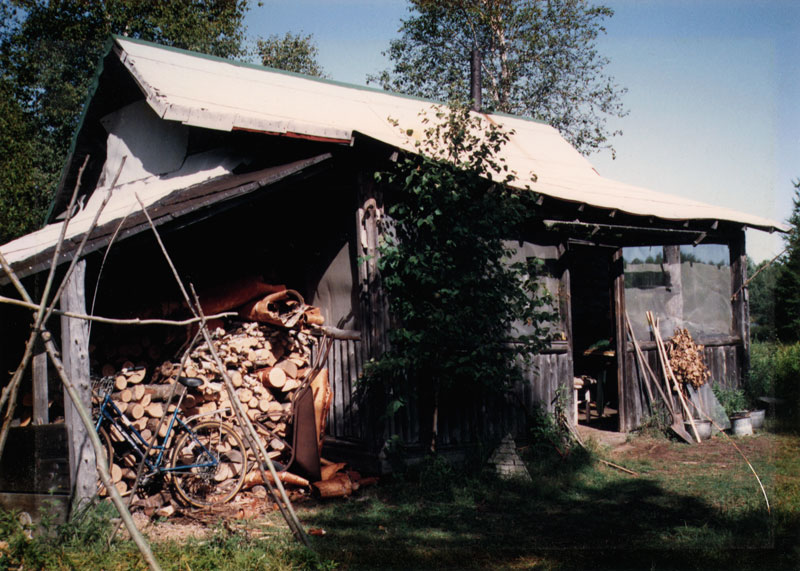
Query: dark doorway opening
x=594 y=334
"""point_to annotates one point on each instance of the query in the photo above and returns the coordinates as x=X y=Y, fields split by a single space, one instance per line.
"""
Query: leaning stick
x=646 y=370
x=662 y=353
x=291 y=518
x=138 y=539
x=115 y=321
x=102 y=467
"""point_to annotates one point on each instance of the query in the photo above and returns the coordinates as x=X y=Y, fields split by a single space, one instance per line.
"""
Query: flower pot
x=740 y=424
x=703 y=428
x=757 y=418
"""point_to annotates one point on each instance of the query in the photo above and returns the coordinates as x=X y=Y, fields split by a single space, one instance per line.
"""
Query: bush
x=775 y=372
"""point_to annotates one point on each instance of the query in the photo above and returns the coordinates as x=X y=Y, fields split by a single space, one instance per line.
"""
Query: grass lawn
x=690 y=507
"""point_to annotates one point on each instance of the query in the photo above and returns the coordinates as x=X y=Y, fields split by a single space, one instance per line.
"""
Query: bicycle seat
x=190 y=382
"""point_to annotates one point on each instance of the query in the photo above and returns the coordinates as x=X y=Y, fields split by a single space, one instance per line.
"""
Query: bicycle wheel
x=209 y=464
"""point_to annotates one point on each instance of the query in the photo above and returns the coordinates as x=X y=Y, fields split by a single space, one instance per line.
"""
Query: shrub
x=775 y=372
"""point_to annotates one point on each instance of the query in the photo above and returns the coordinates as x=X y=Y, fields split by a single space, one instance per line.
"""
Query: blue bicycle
x=206 y=462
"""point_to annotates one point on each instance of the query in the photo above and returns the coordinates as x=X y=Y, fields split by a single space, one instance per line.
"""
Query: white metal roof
x=213 y=93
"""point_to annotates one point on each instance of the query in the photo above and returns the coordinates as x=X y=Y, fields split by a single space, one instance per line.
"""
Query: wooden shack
x=252 y=171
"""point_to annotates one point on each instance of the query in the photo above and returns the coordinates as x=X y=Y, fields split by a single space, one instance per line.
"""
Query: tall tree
x=787 y=286
x=49 y=51
x=292 y=52
x=539 y=60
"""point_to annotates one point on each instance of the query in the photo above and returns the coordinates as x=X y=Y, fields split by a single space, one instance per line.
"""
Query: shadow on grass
x=570 y=516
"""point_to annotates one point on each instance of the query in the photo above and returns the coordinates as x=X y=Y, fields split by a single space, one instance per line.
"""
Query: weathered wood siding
x=461 y=421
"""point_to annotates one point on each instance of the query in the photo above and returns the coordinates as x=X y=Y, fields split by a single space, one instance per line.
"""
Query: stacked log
x=267 y=362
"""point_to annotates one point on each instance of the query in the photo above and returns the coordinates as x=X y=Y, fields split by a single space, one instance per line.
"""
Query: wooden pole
x=41 y=400
x=662 y=353
x=75 y=357
x=115 y=321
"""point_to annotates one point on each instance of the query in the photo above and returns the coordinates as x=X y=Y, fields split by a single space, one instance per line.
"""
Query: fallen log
x=254 y=478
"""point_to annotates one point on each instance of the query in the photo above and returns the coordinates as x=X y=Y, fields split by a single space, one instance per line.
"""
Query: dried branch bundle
x=686 y=359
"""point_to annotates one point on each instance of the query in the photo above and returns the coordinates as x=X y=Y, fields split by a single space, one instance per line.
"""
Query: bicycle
x=206 y=461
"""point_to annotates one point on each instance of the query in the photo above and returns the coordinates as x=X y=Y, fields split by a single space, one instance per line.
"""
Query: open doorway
x=594 y=335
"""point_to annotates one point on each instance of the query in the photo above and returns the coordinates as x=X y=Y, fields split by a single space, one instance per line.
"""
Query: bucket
x=703 y=428
x=757 y=418
x=741 y=425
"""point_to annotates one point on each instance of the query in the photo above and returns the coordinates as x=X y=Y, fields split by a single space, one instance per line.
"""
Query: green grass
x=705 y=511
x=691 y=507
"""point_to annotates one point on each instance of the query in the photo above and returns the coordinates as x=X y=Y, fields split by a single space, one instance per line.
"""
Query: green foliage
x=49 y=52
x=24 y=187
x=444 y=265
x=787 y=285
x=539 y=60
x=292 y=52
x=775 y=372
x=761 y=295
x=732 y=400
x=83 y=544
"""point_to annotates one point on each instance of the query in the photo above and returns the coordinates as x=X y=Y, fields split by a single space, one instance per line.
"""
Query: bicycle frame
x=111 y=413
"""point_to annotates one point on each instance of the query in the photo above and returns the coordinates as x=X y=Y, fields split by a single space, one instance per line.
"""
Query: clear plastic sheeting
x=688 y=287
x=546 y=279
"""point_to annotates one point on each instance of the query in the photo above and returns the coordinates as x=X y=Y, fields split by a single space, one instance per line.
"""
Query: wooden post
x=565 y=307
x=741 y=314
x=625 y=387
x=41 y=414
x=75 y=350
x=674 y=305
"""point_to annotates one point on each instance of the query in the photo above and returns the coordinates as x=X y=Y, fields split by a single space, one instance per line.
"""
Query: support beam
x=627 y=391
x=41 y=413
x=75 y=350
x=741 y=314
x=673 y=308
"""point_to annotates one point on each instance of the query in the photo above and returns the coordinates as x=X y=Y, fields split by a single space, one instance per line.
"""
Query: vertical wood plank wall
x=459 y=423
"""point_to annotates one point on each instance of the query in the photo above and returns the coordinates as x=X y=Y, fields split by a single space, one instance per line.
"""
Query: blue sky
x=713 y=90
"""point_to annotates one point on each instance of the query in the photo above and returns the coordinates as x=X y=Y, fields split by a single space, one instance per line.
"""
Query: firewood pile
x=686 y=359
x=267 y=354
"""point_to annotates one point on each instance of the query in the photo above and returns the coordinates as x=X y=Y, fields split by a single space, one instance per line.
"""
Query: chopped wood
x=253 y=478
x=155 y=410
x=138 y=392
x=136 y=412
x=329 y=471
x=165 y=511
x=136 y=377
x=116 y=473
x=289 y=367
x=121 y=382
x=323 y=396
x=266 y=365
x=337 y=487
